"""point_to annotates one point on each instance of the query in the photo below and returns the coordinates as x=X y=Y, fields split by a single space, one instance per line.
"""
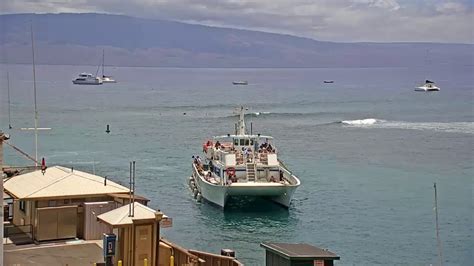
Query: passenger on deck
x=272 y=179
x=218 y=144
x=199 y=161
x=270 y=148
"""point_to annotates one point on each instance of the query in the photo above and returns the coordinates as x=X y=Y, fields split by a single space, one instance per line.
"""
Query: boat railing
x=293 y=180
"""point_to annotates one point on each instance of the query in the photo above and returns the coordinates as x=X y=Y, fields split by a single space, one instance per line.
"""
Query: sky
x=446 y=21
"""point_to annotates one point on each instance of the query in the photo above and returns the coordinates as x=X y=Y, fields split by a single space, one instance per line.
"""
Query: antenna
x=133 y=190
x=130 y=193
x=9 y=103
x=440 y=251
x=34 y=91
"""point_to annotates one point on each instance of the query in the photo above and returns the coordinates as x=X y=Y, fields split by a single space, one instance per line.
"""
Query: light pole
x=2 y=138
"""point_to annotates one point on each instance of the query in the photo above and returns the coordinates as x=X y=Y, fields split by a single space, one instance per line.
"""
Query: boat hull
x=76 y=82
x=219 y=194
x=426 y=88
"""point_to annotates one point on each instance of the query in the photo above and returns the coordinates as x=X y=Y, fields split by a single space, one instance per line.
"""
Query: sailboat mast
x=34 y=91
x=440 y=252
x=103 y=61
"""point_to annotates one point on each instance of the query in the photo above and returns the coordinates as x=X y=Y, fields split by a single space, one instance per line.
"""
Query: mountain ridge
x=78 y=39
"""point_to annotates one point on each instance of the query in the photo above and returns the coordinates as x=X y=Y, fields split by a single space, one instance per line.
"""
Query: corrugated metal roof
x=61 y=182
x=120 y=216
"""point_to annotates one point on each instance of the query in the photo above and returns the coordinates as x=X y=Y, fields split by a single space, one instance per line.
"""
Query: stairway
x=251 y=171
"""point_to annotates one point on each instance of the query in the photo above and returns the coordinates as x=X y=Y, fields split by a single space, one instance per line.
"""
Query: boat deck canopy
x=243 y=136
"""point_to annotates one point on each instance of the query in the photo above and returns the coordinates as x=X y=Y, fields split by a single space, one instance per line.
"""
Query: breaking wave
x=455 y=127
x=367 y=121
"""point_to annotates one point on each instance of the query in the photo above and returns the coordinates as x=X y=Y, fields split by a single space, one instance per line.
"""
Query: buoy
x=171 y=260
x=108 y=129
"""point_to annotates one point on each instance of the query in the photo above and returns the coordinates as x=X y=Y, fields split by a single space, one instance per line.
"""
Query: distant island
x=78 y=39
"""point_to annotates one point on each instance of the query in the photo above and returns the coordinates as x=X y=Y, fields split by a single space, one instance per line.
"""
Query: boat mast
x=241 y=124
x=440 y=252
x=103 y=61
x=34 y=91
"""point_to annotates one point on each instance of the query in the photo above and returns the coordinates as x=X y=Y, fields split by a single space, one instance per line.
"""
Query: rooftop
x=60 y=182
x=120 y=216
x=299 y=251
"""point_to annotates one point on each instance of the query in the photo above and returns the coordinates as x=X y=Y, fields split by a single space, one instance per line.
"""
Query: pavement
x=74 y=253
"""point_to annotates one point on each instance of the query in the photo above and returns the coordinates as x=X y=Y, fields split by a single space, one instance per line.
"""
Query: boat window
x=236 y=142
x=247 y=142
x=242 y=142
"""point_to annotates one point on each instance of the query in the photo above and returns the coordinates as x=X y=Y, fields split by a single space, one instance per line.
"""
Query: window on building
x=22 y=206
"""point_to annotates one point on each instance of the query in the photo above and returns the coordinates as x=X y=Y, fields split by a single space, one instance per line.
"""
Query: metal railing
x=215 y=260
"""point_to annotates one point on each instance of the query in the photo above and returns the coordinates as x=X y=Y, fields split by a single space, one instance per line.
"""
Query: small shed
x=284 y=254
x=138 y=229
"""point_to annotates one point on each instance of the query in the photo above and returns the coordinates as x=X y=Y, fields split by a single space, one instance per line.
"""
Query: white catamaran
x=241 y=165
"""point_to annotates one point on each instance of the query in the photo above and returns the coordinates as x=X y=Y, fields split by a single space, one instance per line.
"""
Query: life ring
x=230 y=171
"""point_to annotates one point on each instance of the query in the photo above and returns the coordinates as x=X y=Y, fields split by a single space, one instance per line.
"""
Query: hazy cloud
x=334 y=20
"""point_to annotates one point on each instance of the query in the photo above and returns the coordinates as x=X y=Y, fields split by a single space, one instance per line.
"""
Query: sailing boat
x=429 y=85
x=106 y=79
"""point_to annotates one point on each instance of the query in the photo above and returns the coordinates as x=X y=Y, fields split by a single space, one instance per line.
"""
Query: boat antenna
x=440 y=251
x=9 y=102
x=241 y=123
x=34 y=91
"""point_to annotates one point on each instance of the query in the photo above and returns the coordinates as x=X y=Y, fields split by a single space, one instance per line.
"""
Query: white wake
x=456 y=127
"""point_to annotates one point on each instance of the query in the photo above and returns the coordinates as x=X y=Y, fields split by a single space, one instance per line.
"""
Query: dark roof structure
x=299 y=251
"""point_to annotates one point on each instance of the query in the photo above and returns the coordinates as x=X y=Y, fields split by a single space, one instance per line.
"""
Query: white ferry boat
x=241 y=165
x=87 y=79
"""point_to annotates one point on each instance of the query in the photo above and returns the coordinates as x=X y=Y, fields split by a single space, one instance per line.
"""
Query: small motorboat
x=428 y=86
x=240 y=82
x=328 y=81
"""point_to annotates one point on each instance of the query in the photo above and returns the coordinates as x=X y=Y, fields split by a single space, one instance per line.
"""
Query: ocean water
x=366 y=148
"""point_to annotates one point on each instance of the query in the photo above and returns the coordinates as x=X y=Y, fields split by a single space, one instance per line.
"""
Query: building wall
x=20 y=217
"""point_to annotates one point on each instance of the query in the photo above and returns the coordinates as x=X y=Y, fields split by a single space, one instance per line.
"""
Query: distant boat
x=106 y=79
x=328 y=81
x=428 y=86
x=87 y=79
x=240 y=82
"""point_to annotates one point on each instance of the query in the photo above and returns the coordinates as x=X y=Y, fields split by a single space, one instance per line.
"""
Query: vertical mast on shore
x=34 y=92
x=438 y=240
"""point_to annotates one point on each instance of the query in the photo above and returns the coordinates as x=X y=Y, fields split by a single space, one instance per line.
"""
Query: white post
x=2 y=138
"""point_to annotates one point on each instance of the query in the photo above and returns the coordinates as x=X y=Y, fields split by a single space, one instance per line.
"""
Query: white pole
x=34 y=91
x=440 y=252
x=2 y=138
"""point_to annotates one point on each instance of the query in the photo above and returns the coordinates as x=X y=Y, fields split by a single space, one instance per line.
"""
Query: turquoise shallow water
x=367 y=190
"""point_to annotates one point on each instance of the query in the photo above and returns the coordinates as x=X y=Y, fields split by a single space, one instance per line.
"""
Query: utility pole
x=2 y=138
